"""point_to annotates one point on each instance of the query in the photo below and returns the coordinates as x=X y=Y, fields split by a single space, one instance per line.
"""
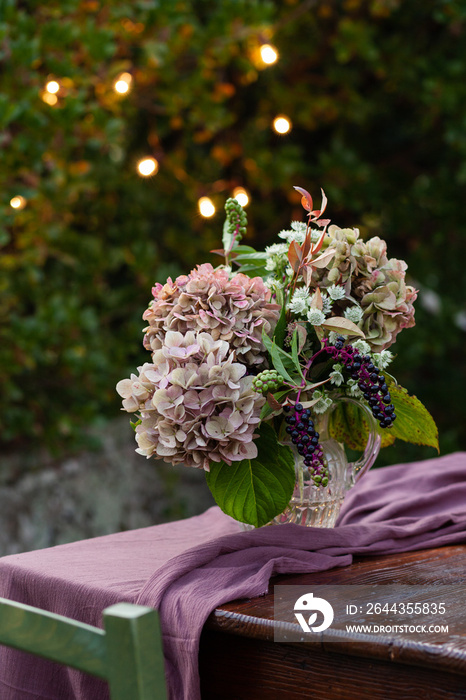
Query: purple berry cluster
x=301 y=429
x=372 y=384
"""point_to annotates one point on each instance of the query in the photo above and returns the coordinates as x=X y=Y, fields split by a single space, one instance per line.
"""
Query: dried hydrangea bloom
x=195 y=402
x=235 y=310
x=376 y=282
x=388 y=309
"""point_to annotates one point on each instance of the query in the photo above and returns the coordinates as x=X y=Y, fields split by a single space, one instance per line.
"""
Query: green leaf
x=273 y=351
x=227 y=237
x=348 y=426
x=251 y=256
x=280 y=328
x=413 y=421
x=254 y=491
x=240 y=249
x=251 y=270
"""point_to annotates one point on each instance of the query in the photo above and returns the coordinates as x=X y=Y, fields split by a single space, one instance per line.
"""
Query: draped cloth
x=187 y=568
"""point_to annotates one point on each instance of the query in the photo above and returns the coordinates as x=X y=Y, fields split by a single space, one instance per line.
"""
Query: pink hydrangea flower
x=196 y=403
x=235 y=310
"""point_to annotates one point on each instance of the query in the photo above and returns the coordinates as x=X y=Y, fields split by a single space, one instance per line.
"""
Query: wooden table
x=239 y=659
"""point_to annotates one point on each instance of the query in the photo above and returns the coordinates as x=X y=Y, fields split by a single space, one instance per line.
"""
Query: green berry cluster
x=268 y=380
x=321 y=477
x=237 y=220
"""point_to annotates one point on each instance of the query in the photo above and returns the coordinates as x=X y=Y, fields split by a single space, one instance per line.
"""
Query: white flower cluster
x=298 y=233
x=302 y=306
x=276 y=256
x=336 y=376
x=324 y=402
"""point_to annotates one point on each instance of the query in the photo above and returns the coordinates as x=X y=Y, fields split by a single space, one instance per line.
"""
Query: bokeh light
x=269 y=54
x=282 y=124
x=122 y=84
x=241 y=196
x=147 y=167
x=206 y=207
x=52 y=87
x=18 y=202
x=49 y=99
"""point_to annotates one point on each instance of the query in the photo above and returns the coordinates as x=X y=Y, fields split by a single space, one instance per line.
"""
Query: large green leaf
x=414 y=422
x=255 y=491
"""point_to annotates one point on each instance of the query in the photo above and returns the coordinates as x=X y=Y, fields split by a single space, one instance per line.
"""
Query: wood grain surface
x=240 y=660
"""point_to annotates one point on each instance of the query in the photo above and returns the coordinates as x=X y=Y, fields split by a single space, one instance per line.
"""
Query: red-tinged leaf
x=342 y=325
x=306 y=200
x=306 y=274
x=311 y=387
x=315 y=248
x=323 y=222
x=307 y=243
x=323 y=259
x=295 y=255
x=273 y=403
x=219 y=251
x=324 y=202
x=317 y=302
x=302 y=336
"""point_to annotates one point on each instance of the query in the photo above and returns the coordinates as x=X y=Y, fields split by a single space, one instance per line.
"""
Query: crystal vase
x=314 y=505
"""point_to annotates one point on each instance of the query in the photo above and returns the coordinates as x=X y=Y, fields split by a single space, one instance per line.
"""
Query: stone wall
x=44 y=502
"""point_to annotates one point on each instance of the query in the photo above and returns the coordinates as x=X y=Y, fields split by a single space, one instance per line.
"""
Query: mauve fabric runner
x=187 y=568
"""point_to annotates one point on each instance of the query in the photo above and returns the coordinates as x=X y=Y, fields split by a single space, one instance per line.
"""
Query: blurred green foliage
x=375 y=92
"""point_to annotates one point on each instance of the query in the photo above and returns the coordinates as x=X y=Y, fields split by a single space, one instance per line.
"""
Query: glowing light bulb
x=147 y=167
x=52 y=87
x=121 y=87
x=122 y=84
x=241 y=196
x=269 y=54
x=18 y=202
x=281 y=124
x=206 y=207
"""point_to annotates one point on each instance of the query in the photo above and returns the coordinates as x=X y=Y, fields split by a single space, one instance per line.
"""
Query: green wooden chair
x=127 y=652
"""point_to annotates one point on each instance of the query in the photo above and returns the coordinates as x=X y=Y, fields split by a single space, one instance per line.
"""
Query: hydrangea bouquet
x=244 y=360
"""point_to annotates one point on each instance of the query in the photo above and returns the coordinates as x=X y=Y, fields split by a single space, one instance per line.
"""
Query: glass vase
x=316 y=505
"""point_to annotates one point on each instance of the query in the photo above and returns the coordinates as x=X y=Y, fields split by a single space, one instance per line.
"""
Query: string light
x=122 y=84
x=18 y=202
x=281 y=124
x=52 y=87
x=206 y=207
x=269 y=54
x=49 y=99
x=241 y=196
x=148 y=167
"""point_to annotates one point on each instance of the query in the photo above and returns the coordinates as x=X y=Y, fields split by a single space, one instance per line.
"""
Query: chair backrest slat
x=128 y=653
x=135 y=653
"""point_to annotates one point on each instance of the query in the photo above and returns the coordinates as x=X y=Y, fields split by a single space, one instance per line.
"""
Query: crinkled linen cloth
x=187 y=568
